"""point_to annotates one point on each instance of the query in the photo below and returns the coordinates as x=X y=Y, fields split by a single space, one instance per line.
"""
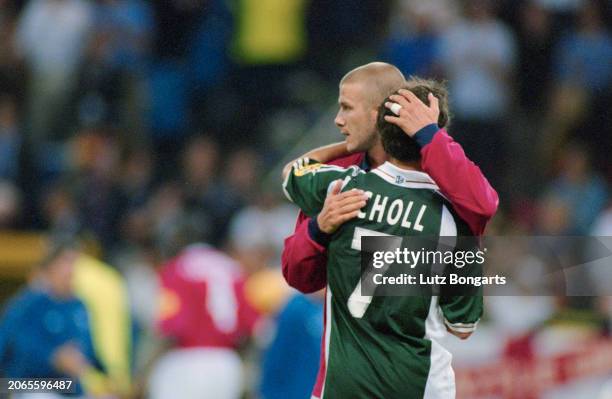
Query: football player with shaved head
x=361 y=91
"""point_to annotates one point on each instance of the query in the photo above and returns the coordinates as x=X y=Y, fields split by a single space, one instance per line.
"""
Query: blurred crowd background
x=141 y=127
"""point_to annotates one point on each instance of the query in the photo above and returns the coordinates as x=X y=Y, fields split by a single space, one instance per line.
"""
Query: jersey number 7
x=358 y=303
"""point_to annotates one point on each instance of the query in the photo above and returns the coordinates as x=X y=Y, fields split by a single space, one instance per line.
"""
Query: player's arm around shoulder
x=307 y=183
x=324 y=154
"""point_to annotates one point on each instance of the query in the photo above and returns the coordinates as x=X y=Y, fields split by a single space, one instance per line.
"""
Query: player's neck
x=376 y=156
x=415 y=165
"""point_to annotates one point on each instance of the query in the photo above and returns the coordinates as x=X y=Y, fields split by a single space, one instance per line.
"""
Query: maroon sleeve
x=304 y=261
x=460 y=180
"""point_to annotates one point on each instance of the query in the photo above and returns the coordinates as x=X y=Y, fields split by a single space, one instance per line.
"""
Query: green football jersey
x=384 y=346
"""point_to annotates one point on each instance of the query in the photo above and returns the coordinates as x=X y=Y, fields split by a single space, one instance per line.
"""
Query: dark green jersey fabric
x=384 y=346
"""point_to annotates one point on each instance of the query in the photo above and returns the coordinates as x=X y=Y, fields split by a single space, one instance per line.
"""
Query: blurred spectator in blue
x=207 y=57
x=207 y=67
x=136 y=176
x=11 y=140
x=564 y=12
x=125 y=28
x=176 y=21
x=536 y=39
x=45 y=331
x=582 y=92
x=111 y=85
x=200 y=167
x=583 y=56
x=11 y=77
x=59 y=211
x=237 y=186
x=135 y=186
x=478 y=55
x=413 y=41
x=291 y=361
x=176 y=25
x=168 y=115
x=200 y=161
x=583 y=191
x=340 y=31
x=10 y=205
x=95 y=155
x=166 y=210
x=52 y=37
x=16 y=165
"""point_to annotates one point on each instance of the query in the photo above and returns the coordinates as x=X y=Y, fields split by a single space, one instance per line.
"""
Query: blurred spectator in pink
x=52 y=37
x=478 y=56
x=204 y=312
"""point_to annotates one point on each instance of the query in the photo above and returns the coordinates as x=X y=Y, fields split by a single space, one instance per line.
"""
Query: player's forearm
x=328 y=152
x=459 y=179
x=304 y=261
x=323 y=154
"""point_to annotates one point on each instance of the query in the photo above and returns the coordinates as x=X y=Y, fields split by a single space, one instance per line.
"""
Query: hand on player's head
x=413 y=114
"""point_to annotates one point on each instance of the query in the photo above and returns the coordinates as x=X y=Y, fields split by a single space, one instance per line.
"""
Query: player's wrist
x=316 y=234
x=426 y=134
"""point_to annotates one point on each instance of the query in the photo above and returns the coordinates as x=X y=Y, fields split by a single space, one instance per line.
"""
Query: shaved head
x=379 y=80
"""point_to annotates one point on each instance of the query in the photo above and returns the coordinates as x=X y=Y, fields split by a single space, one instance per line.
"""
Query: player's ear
x=374 y=114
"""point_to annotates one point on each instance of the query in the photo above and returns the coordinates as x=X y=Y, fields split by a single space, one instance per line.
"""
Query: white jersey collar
x=404 y=177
